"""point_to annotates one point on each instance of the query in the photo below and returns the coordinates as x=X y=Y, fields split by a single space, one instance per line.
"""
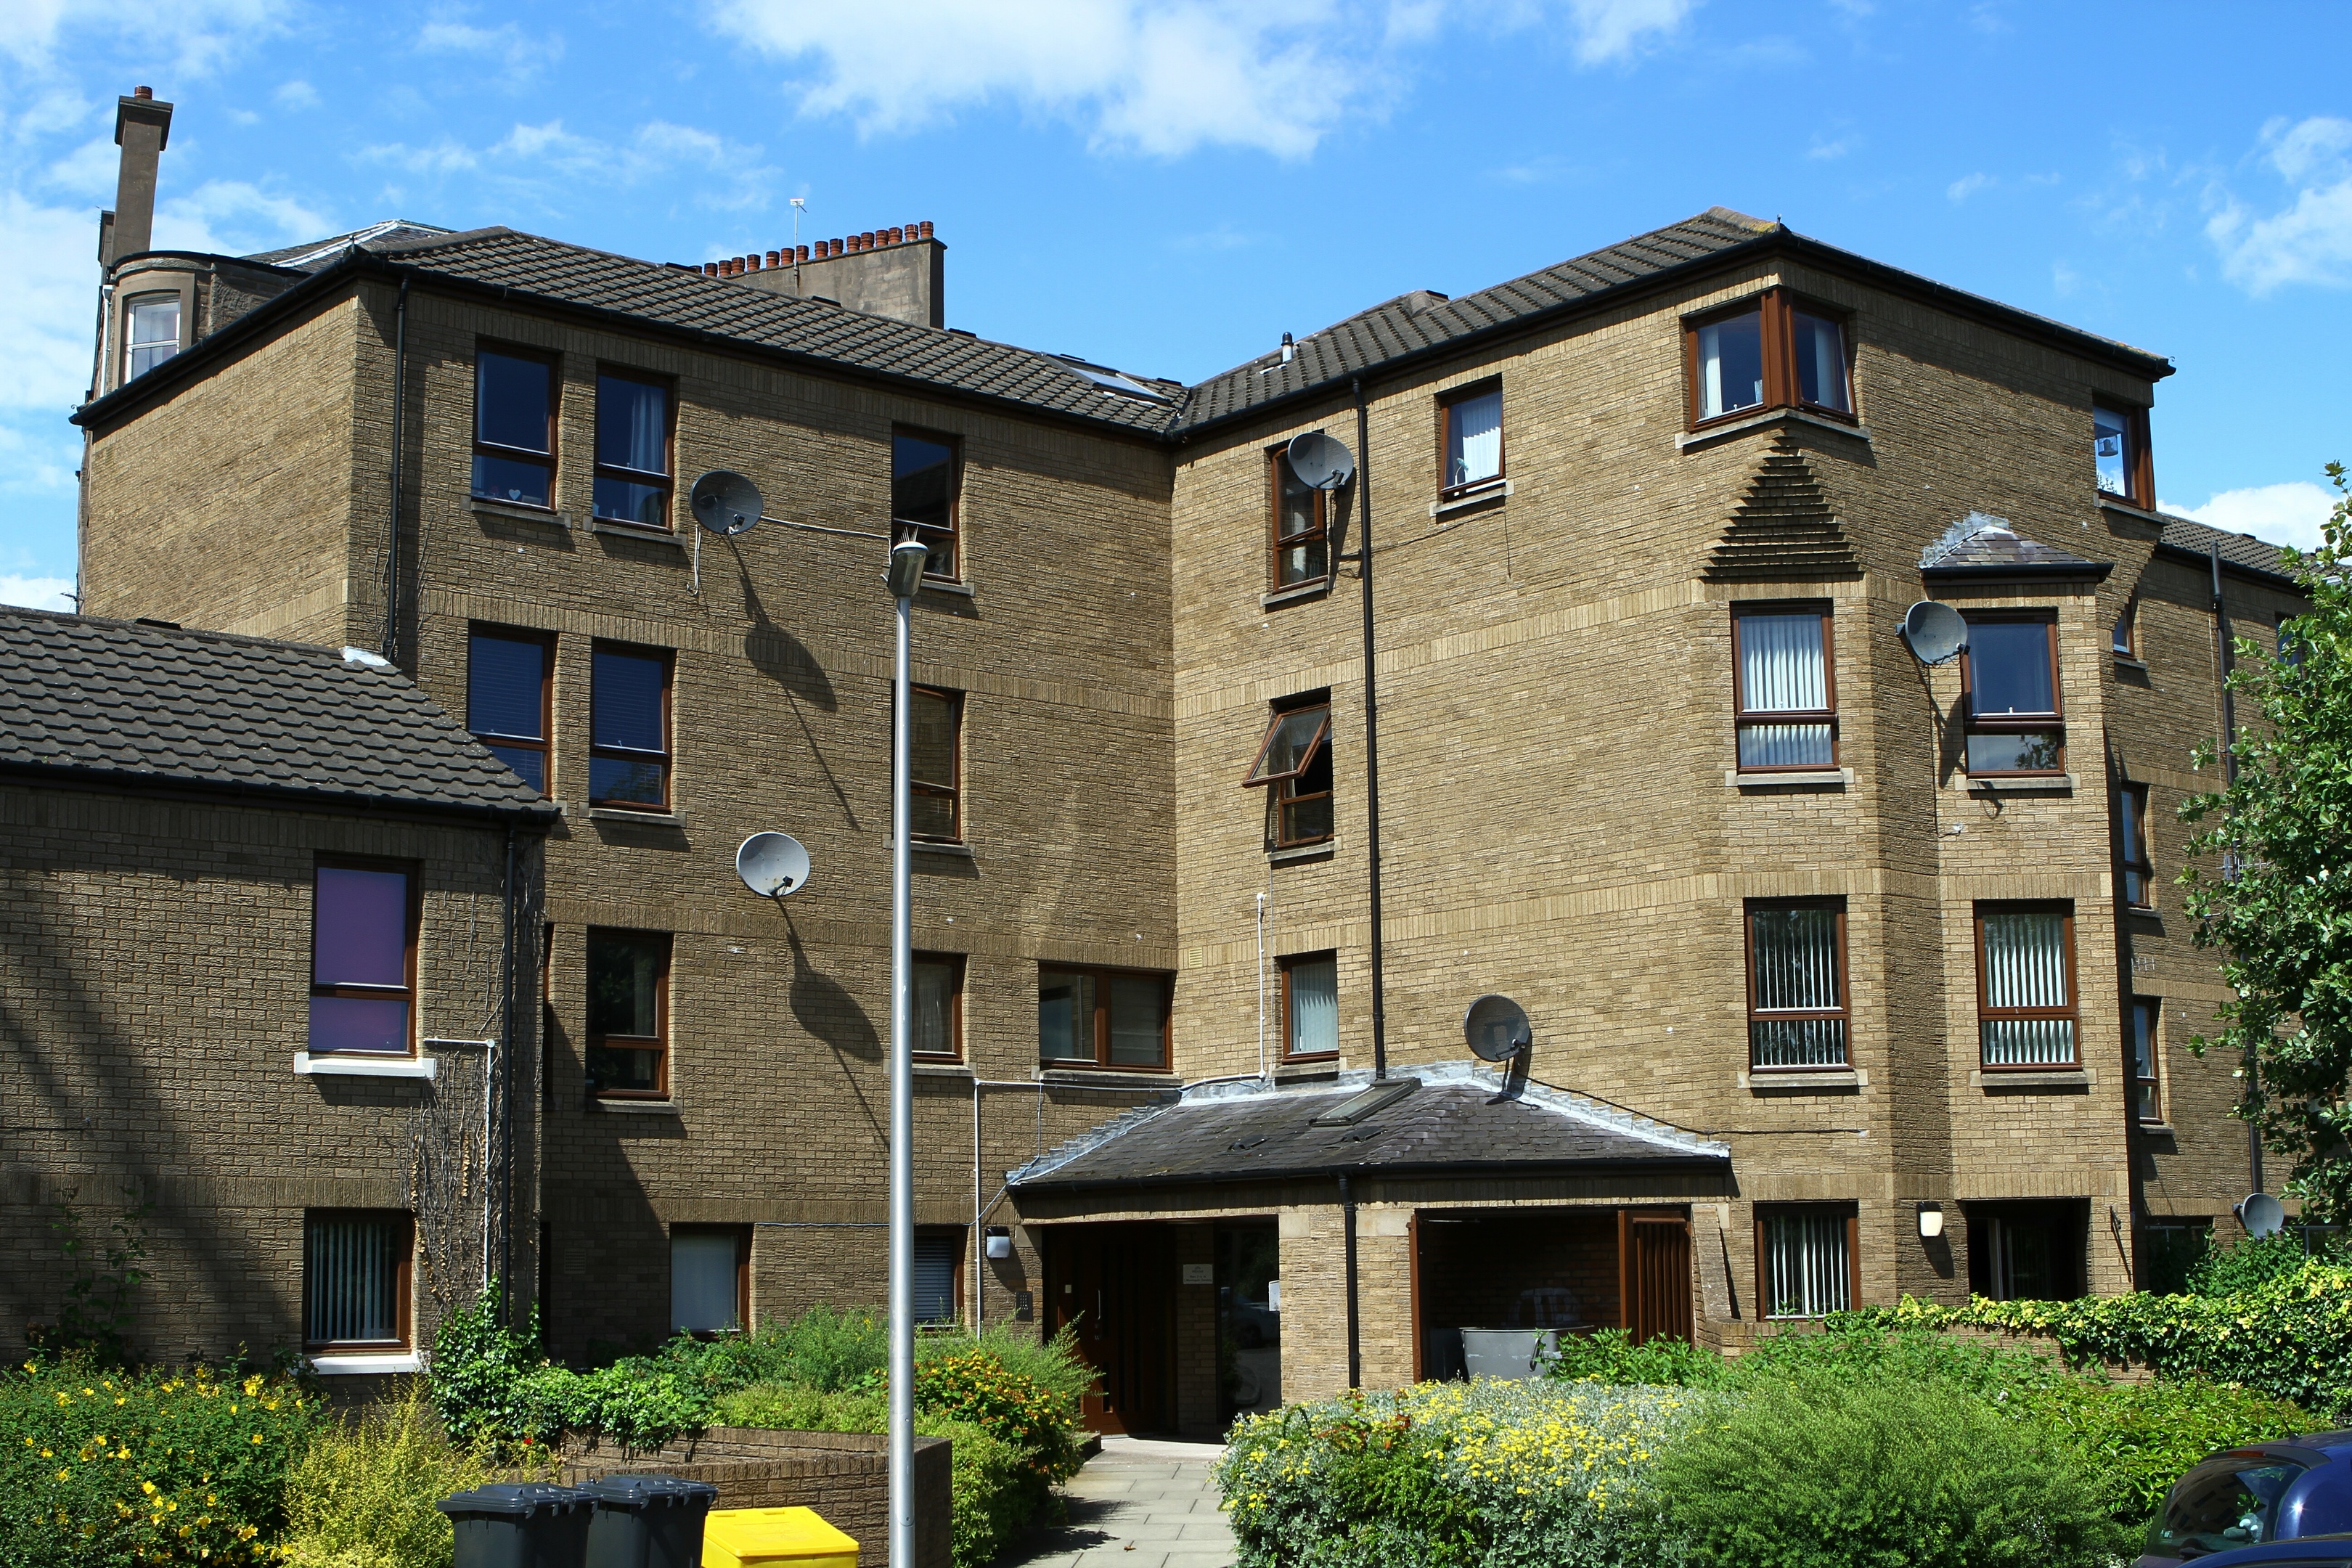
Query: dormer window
x=1771 y=352
x=152 y=334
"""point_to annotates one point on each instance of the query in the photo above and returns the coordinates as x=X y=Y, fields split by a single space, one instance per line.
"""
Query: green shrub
x=1873 y=1474
x=993 y=1487
x=101 y=1468
x=2251 y=1265
x=363 y=1494
x=2133 y=1440
x=787 y=1407
x=1610 y=1356
x=1510 y=1475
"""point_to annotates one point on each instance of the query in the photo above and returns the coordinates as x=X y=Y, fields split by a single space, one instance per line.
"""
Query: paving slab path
x=1139 y=1503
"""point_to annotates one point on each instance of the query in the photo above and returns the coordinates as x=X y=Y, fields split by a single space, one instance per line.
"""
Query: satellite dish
x=1320 y=462
x=773 y=864
x=726 y=502
x=1935 y=632
x=2262 y=1214
x=1496 y=1028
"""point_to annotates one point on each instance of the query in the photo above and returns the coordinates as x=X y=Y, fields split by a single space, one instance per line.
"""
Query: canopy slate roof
x=1458 y=1122
x=1978 y=542
x=137 y=701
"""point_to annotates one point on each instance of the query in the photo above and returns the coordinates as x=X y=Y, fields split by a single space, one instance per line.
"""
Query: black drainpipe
x=2229 y=664
x=1347 y=1230
x=1371 y=767
x=391 y=649
x=504 y=1088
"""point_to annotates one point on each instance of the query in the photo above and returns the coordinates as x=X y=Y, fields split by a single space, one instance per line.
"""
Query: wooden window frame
x=601 y=469
x=2134 y=858
x=956 y=963
x=1276 y=459
x=1102 y=1062
x=1284 y=964
x=2071 y=1012
x=658 y=1044
x=2140 y=469
x=742 y=1235
x=1743 y=717
x=1777 y=343
x=667 y=754
x=1843 y=1011
x=1281 y=789
x=1768 y=1212
x=545 y=743
x=1446 y=402
x=2017 y=725
x=952 y=791
x=404 y=1285
x=954 y=528
x=481 y=449
x=2153 y=1099
x=411 y=870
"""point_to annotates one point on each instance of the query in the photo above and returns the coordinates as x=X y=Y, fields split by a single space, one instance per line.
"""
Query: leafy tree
x=2278 y=903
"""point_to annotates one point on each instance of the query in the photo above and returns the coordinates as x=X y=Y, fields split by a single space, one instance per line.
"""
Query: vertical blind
x=2025 y=968
x=703 y=1295
x=1473 y=439
x=351 y=1278
x=1783 y=669
x=1314 y=1007
x=1795 y=954
x=1806 y=1267
x=1138 y=1019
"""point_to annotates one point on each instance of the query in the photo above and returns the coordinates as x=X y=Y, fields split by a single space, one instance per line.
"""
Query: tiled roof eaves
x=2094 y=571
x=1379 y=1170
x=2186 y=540
x=537 y=815
x=136 y=395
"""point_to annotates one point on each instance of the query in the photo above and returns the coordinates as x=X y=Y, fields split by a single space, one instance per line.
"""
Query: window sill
x=635 y=530
x=1298 y=854
x=942 y=1069
x=2047 y=784
x=939 y=846
x=1993 y=1080
x=1731 y=429
x=1471 y=500
x=1803 y=1080
x=1308 y=1070
x=941 y=585
x=1109 y=1077
x=2130 y=509
x=1297 y=592
x=546 y=515
x=2126 y=661
x=349 y=1064
x=606 y=1105
x=1836 y=778
x=2156 y=1129
x=642 y=819
x=361 y=1363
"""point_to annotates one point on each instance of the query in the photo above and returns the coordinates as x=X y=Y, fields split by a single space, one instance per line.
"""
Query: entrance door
x=1118 y=1283
x=1655 y=1257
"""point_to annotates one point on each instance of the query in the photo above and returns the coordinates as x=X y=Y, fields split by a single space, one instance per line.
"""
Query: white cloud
x=2280 y=514
x=233 y=217
x=190 y=37
x=1158 y=77
x=296 y=94
x=89 y=170
x=1826 y=149
x=36 y=593
x=49 y=295
x=550 y=163
x=523 y=55
x=2310 y=240
x=1967 y=186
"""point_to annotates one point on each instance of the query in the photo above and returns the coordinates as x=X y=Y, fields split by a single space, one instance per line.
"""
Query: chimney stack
x=143 y=127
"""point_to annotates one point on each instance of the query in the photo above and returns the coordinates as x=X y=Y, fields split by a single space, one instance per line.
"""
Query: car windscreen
x=2223 y=1503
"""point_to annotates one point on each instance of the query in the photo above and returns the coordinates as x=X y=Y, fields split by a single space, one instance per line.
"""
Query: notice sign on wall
x=1199 y=1274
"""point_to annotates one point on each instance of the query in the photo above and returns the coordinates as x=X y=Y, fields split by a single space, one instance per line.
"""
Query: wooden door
x=1117 y=1282
x=1655 y=1264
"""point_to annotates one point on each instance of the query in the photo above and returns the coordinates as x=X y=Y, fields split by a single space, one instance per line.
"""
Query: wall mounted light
x=1000 y=1242
x=1931 y=1221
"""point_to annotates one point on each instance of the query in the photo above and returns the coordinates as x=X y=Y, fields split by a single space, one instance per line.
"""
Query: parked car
x=2264 y=1495
x=2309 y=1552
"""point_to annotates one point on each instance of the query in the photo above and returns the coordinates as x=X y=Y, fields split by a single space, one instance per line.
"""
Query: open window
x=2015 y=724
x=1470 y=440
x=1294 y=766
x=1301 y=540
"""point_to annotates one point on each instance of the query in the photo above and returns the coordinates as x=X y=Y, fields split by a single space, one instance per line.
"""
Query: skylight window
x=1112 y=380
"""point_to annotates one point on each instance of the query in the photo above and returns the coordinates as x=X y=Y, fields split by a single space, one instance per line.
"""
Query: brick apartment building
x=1822 y=949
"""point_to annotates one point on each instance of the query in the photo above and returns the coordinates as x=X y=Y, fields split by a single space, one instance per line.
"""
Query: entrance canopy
x=1448 y=1120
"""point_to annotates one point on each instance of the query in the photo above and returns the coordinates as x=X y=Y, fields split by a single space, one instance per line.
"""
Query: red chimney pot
x=142 y=92
x=927 y=228
x=802 y=254
x=775 y=258
x=865 y=240
x=711 y=270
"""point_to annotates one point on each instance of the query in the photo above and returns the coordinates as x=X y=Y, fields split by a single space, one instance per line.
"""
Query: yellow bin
x=742 y=1537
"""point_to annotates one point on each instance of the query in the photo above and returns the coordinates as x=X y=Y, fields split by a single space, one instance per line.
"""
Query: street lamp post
x=905 y=575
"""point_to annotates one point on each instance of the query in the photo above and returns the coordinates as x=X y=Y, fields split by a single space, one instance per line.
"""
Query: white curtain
x=351 y=1271
x=1730 y=366
x=2025 y=966
x=702 y=1282
x=1806 y=1262
x=1314 y=1007
x=1473 y=439
x=1821 y=359
x=1783 y=670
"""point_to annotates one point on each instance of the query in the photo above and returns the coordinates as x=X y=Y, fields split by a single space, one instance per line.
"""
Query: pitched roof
x=526 y=265
x=2242 y=550
x=1458 y=1120
x=319 y=252
x=142 y=701
x=1981 y=543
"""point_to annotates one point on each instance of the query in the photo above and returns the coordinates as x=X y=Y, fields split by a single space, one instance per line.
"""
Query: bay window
x=2025 y=985
x=1786 y=694
x=1774 y=351
x=2119 y=459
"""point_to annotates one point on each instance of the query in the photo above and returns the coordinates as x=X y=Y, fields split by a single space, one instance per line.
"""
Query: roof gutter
x=2083 y=570
x=2253 y=574
x=1419 y=1170
x=538 y=817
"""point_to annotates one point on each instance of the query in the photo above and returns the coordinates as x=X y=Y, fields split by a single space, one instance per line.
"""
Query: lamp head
x=1931 y=1221
x=905 y=572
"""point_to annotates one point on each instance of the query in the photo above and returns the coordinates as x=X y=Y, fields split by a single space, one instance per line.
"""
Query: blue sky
x=1170 y=184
